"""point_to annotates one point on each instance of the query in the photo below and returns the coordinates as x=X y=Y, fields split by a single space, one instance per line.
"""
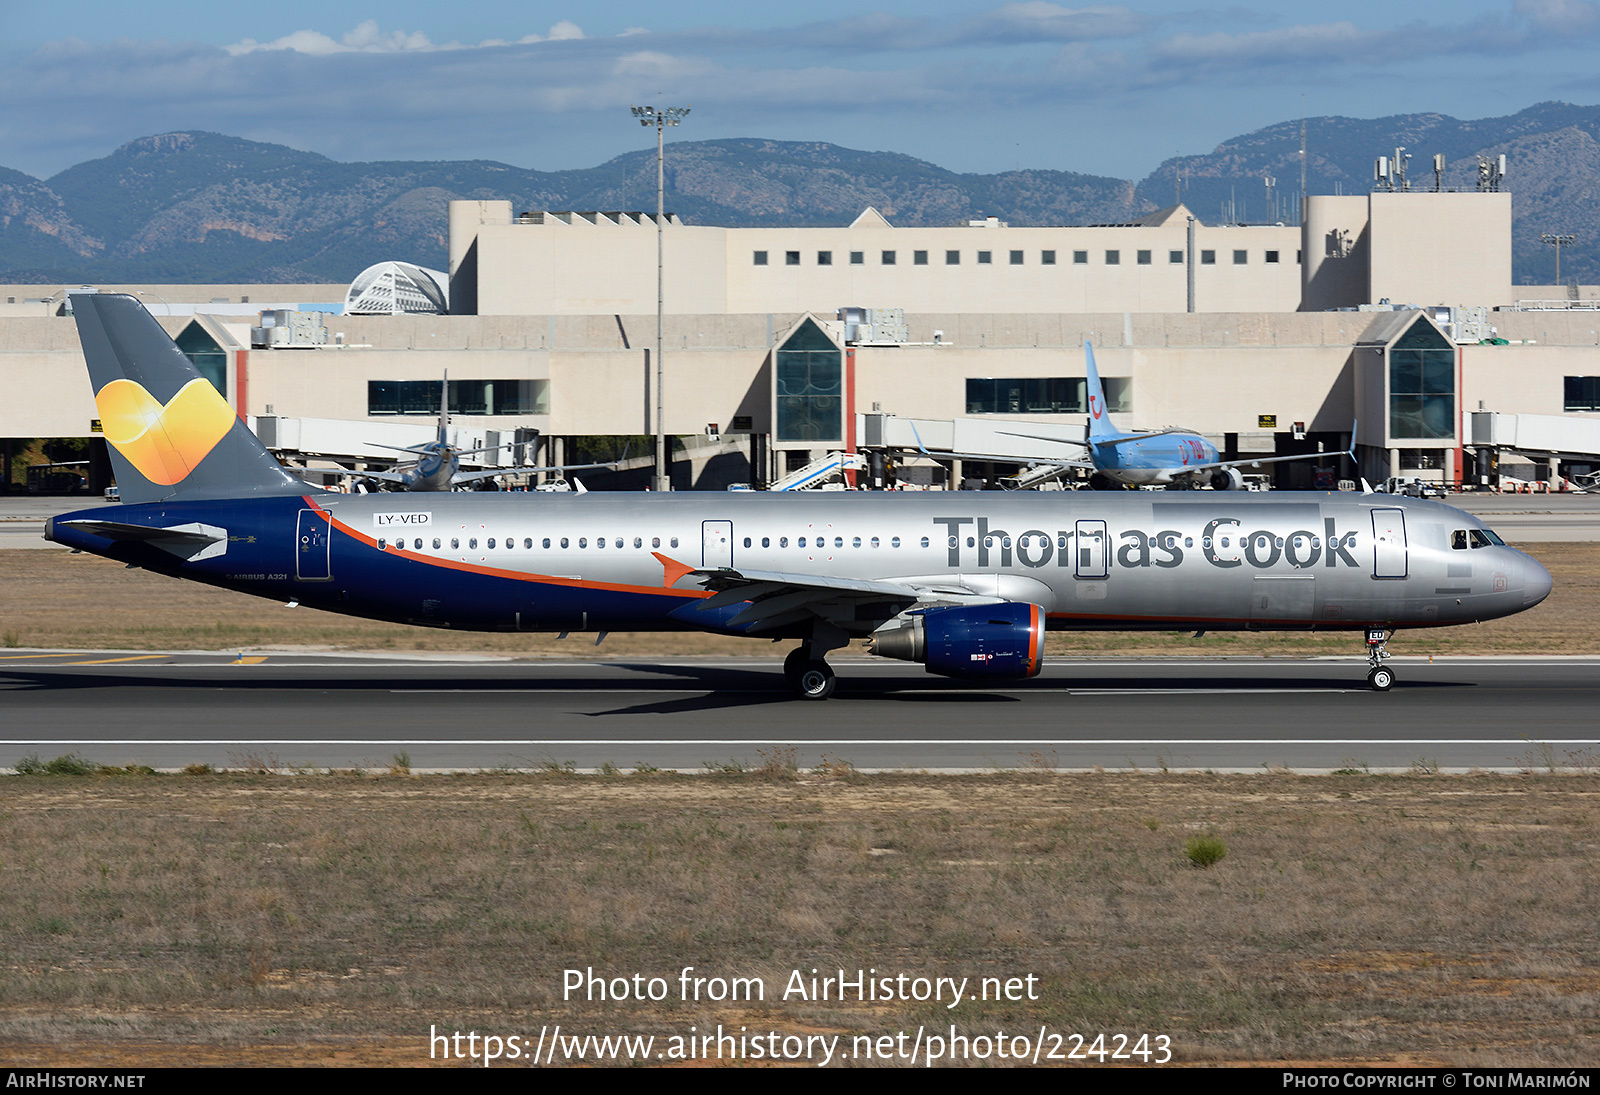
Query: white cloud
x=368 y=38
x=1561 y=16
x=1035 y=20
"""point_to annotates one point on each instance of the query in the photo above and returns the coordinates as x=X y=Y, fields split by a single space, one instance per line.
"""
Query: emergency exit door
x=716 y=543
x=1389 y=543
x=312 y=542
x=1092 y=547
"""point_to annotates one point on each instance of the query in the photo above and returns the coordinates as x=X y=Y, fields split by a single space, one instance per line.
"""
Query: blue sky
x=1106 y=89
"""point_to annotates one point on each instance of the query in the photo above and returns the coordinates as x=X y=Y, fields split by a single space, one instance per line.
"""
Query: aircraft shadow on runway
x=715 y=688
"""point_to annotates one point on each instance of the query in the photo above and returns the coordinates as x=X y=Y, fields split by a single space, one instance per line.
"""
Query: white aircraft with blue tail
x=1174 y=458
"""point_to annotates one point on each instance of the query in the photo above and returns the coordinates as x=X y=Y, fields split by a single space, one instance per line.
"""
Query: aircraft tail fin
x=171 y=434
x=444 y=410
x=1100 y=427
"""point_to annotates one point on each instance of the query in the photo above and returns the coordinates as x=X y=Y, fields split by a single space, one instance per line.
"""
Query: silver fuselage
x=1215 y=560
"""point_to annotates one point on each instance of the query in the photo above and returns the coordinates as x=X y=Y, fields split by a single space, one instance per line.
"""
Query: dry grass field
x=334 y=919
x=296 y=918
x=54 y=599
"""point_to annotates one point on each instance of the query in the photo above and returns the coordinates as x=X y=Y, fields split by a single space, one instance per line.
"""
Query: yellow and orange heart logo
x=164 y=443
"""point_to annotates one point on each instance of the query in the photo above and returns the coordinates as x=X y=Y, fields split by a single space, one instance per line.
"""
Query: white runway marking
x=807 y=741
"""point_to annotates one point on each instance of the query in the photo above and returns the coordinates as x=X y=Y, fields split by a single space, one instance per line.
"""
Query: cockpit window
x=1482 y=537
x=1458 y=539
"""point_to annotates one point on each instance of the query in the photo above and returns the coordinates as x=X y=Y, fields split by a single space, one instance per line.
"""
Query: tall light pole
x=660 y=117
x=1557 y=241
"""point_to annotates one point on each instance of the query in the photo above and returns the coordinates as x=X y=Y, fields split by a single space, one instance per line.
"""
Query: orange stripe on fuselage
x=515 y=575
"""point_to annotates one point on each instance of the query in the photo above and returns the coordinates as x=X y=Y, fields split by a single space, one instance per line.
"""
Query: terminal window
x=824 y=258
x=1241 y=257
x=1582 y=393
x=1422 y=384
x=1080 y=258
x=1144 y=258
x=421 y=397
x=1025 y=395
x=1043 y=394
x=952 y=258
x=858 y=258
x=791 y=258
x=1272 y=257
x=759 y=258
x=1047 y=258
x=985 y=258
x=1175 y=258
x=888 y=258
x=809 y=370
x=1208 y=258
x=919 y=258
x=1016 y=258
x=1113 y=258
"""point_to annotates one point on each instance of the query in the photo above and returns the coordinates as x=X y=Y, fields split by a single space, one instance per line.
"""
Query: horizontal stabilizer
x=193 y=541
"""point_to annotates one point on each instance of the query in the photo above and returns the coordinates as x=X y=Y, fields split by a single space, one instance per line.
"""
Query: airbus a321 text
x=965 y=583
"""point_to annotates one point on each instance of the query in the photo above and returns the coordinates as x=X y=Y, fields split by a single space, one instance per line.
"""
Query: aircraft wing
x=1247 y=462
x=777 y=598
x=1108 y=441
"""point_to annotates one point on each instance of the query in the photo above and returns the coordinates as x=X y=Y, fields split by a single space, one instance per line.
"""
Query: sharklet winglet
x=671 y=569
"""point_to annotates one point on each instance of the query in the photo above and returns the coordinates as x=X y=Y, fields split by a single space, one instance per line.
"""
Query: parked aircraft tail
x=1100 y=427
x=171 y=434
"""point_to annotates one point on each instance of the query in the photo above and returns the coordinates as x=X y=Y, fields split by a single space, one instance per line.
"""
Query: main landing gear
x=811 y=678
x=1379 y=676
x=808 y=674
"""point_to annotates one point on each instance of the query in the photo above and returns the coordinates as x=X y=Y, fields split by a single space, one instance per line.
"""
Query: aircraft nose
x=1535 y=582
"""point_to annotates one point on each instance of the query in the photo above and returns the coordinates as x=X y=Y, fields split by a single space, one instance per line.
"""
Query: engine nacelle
x=1227 y=479
x=986 y=642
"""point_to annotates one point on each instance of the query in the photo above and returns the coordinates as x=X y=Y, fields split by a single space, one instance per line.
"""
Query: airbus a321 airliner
x=966 y=583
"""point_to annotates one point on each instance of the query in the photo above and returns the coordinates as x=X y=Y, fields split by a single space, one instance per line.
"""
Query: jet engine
x=986 y=642
x=1227 y=479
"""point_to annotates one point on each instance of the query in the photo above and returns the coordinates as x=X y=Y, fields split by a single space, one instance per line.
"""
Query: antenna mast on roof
x=1302 y=157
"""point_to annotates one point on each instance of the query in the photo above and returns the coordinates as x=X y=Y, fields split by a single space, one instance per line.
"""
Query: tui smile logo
x=165 y=443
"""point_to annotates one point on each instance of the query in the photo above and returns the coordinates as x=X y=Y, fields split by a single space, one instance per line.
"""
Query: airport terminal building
x=1394 y=310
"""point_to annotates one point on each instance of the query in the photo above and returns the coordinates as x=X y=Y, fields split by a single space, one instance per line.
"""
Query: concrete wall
x=1429 y=248
x=601 y=266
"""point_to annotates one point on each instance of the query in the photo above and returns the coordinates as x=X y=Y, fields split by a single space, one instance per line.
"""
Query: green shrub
x=1203 y=851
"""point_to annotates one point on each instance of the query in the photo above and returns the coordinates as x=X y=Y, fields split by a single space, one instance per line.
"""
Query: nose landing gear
x=1379 y=676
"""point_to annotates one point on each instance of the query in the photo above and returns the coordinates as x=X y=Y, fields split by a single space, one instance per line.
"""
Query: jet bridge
x=1560 y=439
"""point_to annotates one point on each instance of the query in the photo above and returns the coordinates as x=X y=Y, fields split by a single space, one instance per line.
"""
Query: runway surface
x=169 y=710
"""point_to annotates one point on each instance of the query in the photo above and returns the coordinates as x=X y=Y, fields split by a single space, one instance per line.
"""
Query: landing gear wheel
x=816 y=681
x=1381 y=679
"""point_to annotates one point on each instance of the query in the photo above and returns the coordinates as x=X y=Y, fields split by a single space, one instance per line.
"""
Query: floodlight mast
x=660 y=117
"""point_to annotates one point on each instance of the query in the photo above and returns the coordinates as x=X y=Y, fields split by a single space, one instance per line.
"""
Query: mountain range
x=198 y=207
